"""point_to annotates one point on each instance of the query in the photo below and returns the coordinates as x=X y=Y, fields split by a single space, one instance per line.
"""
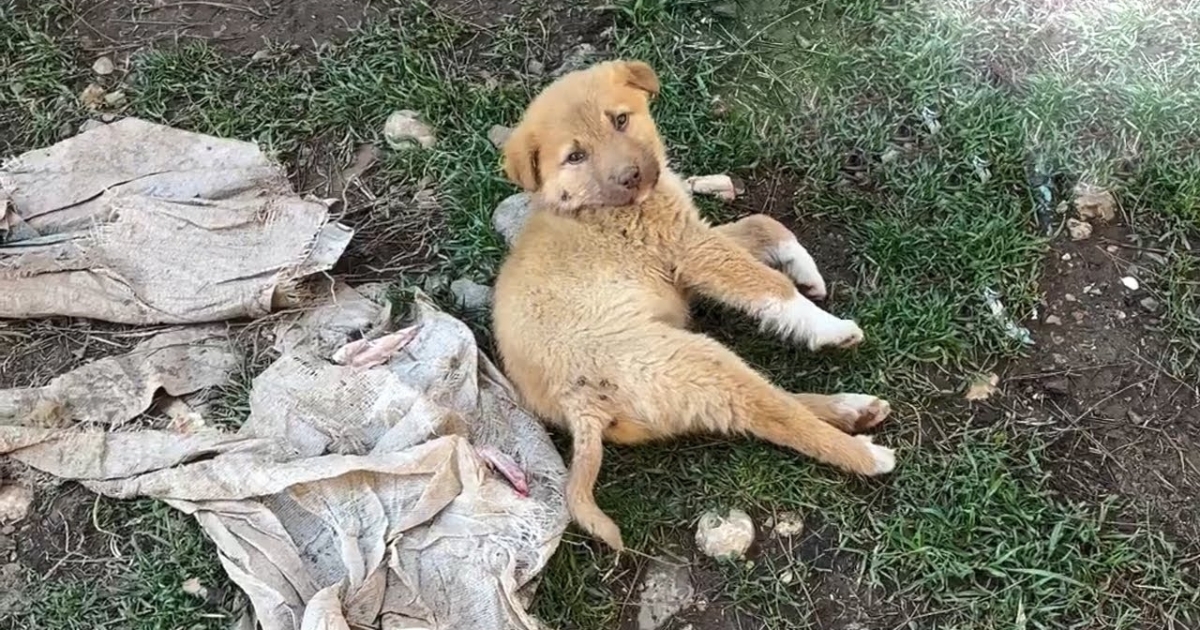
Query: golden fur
x=591 y=304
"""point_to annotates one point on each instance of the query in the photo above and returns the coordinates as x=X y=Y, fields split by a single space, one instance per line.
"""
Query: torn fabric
x=353 y=497
x=139 y=223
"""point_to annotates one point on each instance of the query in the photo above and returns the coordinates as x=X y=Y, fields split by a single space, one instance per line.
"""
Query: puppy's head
x=588 y=140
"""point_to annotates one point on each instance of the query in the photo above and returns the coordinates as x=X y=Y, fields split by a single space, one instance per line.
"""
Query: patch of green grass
x=418 y=62
x=36 y=97
x=154 y=550
x=898 y=128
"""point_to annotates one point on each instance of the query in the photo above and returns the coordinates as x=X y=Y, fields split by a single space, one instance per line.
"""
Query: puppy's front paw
x=883 y=457
x=798 y=264
x=835 y=333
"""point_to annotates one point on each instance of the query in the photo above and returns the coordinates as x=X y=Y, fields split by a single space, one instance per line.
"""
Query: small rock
x=1130 y=283
x=1149 y=304
x=1121 y=315
x=498 y=135
x=666 y=590
x=1079 y=230
x=14 y=503
x=510 y=216
x=1054 y=320
x=1070 y=298
x=92 y=96
x=1078 y=315
x=789 y=524
x=1060 y=386
x=114 y=99
x=260 y=55
x=470 y=295
x=725 y=537
x=1092 y=202
x=107 y=117
x=787 y=577
x=1066 y=256
x=404 y=130
x=193 y=587
x=1059 y=359
x=1112 y=249
x=535 y=67
x=104 y=66
x=89 y=125
x=889 y=156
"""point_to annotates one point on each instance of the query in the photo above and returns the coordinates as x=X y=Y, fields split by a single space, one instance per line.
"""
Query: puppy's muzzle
x=629 y=177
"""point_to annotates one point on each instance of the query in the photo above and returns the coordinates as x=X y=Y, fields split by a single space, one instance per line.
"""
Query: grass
x=921 y=131
x=142 y=553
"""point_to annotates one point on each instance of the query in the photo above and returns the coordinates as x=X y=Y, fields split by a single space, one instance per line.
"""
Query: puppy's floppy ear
x=640 y=75
x=521 y=159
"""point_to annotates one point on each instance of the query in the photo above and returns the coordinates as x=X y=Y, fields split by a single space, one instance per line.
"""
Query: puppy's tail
x=587 y=450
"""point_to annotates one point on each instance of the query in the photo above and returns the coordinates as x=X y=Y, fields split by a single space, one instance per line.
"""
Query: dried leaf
x=982 y=387
x=1093 y=202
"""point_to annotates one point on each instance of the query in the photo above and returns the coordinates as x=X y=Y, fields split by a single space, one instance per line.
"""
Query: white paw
x=884 y=457
x=864 y=410
x=798 y=264
x=835 y=333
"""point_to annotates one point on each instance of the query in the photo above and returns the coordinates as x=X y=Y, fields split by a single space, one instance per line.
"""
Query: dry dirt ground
x=1098 y=387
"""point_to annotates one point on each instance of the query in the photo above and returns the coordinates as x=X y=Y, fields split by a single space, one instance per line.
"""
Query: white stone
x=666 y=589
x=725 y=537
x=14 y=503
x=498 y=135
x=510 y=216
x=104 y=66
x=789 y=524
x=404 y=130
x=471 y=295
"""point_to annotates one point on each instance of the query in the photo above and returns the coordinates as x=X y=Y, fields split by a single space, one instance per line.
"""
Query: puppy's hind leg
x=782 y=419
x=852 y=413
x=690 y=383
x=587 y=450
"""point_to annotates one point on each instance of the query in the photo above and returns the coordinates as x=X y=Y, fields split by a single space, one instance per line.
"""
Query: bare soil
x=1100 y=380
x=234 y=26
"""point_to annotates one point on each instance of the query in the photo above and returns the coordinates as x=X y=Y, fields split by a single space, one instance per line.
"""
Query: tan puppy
x=591 y=304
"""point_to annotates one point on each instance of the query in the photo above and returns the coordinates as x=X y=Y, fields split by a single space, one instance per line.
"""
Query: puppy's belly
x=560 y=348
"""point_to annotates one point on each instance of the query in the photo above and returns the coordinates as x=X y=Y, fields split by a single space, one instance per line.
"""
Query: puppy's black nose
x=630 y=176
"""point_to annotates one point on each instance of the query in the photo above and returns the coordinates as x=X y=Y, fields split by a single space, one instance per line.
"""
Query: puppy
x=591 y=304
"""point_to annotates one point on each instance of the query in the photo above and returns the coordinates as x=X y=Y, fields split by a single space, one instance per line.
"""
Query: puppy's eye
x=576 y=157
x=620 y=121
